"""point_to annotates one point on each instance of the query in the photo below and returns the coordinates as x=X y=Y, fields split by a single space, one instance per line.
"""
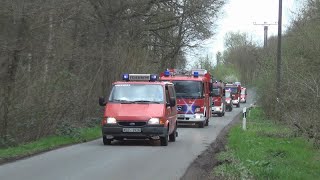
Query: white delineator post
x=244 y=119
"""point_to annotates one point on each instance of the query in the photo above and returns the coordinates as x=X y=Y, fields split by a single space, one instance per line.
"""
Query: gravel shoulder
x=202 y=167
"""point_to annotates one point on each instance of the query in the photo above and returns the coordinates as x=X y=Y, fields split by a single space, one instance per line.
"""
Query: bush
x=68 y=129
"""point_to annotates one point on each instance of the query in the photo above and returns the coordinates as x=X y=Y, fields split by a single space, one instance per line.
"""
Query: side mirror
x=211 y=94
x=102 y=101
x=172 y=101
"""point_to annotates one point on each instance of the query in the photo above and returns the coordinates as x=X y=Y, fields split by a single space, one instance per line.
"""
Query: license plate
x=131 y=130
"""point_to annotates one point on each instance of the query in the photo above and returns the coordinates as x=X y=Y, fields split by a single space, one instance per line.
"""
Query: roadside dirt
x=202 y=167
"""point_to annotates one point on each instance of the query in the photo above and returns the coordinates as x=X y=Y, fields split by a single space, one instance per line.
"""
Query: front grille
x=132 y=123
x=183 y=109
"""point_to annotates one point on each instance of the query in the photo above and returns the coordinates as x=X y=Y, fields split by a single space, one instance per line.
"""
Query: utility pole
x=278 y=79
x=266 y=26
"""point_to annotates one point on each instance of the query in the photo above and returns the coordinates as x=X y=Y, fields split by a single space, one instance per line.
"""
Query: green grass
x=268 y=151
x=48 y=143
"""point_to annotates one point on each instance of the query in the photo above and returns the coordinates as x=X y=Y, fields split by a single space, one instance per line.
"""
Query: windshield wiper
x=123 y=101
x=146 y=101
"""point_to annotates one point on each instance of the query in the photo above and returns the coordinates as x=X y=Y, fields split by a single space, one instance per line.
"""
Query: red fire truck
x=235 y=89
x=243 y=97
x=218 y=99
x=193 y=90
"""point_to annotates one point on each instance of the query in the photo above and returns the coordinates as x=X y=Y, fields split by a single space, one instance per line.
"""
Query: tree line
x=58 y=56
x=299 y=100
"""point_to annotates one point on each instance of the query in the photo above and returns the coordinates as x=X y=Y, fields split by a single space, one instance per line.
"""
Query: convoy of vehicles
x=145 y=106
x=140 y=107
x=193 y=90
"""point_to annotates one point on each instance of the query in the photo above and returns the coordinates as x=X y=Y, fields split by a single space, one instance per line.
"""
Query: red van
x=140 y=107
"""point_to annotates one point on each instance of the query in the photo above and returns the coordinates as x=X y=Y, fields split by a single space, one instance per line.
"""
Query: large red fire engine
x=218 y=99
x=235 y=89
x=193 y=92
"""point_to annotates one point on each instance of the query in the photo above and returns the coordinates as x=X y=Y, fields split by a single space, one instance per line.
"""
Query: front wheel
x=201 y=124
x=173 y=135
x=164 y=140
x=238 y=105
x=207 y=122
x=106 y=141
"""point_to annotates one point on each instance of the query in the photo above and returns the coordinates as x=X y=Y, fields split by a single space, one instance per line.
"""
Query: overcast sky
x=239 y=15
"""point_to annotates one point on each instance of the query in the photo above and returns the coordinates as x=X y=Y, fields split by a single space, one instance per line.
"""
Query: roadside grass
x=267 y=151
x=48 y=143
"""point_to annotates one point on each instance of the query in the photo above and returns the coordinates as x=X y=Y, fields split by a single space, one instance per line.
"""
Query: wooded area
x=58 y=57
x=299 y=103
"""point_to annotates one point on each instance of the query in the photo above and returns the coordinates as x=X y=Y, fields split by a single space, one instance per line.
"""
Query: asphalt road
x=141 y=160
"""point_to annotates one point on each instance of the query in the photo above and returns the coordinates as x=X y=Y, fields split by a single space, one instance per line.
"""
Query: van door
x=173 y=110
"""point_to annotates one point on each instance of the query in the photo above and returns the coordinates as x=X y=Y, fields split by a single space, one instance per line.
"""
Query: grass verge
x=267 y=151
x=48 y=143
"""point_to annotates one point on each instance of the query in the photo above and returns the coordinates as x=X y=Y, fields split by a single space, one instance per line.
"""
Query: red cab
x=235 y=90
x=218 y=99
x=193 y=89
x=243 y=96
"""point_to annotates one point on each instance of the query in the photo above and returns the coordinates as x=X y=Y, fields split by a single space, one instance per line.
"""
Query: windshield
x=137 y=93
x=228 y=94
x=216 y=92
x=188 y=89
x=243 y=91
x=234 y=90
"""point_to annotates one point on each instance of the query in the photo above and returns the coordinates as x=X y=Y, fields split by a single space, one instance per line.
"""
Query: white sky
x=239 y=15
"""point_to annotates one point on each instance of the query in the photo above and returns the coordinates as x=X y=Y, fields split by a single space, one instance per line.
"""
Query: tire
x=220 y=114
x=106 y=141
x=207 y=122
x=223 y=113
x=201 y=124
x=164 y=140
x=172 y=136
x=238 y=105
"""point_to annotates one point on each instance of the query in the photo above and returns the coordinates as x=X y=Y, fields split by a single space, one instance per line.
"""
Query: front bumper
x=190 y=118
x=115 y=131
x=216 y=110
x=235 y=101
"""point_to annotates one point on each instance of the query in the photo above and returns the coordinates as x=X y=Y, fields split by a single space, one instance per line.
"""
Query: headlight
x=197 y=110
x=154 y=121
x=228 y=102
x=111 y=120
x=197 y=116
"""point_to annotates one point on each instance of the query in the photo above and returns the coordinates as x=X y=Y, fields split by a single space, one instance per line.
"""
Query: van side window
x=172 y=91
x=167 y=95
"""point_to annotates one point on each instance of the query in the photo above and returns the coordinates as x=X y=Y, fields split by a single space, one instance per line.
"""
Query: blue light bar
x=153 y=77
x=195 y=74
x=167 y=73
x=125 y=77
